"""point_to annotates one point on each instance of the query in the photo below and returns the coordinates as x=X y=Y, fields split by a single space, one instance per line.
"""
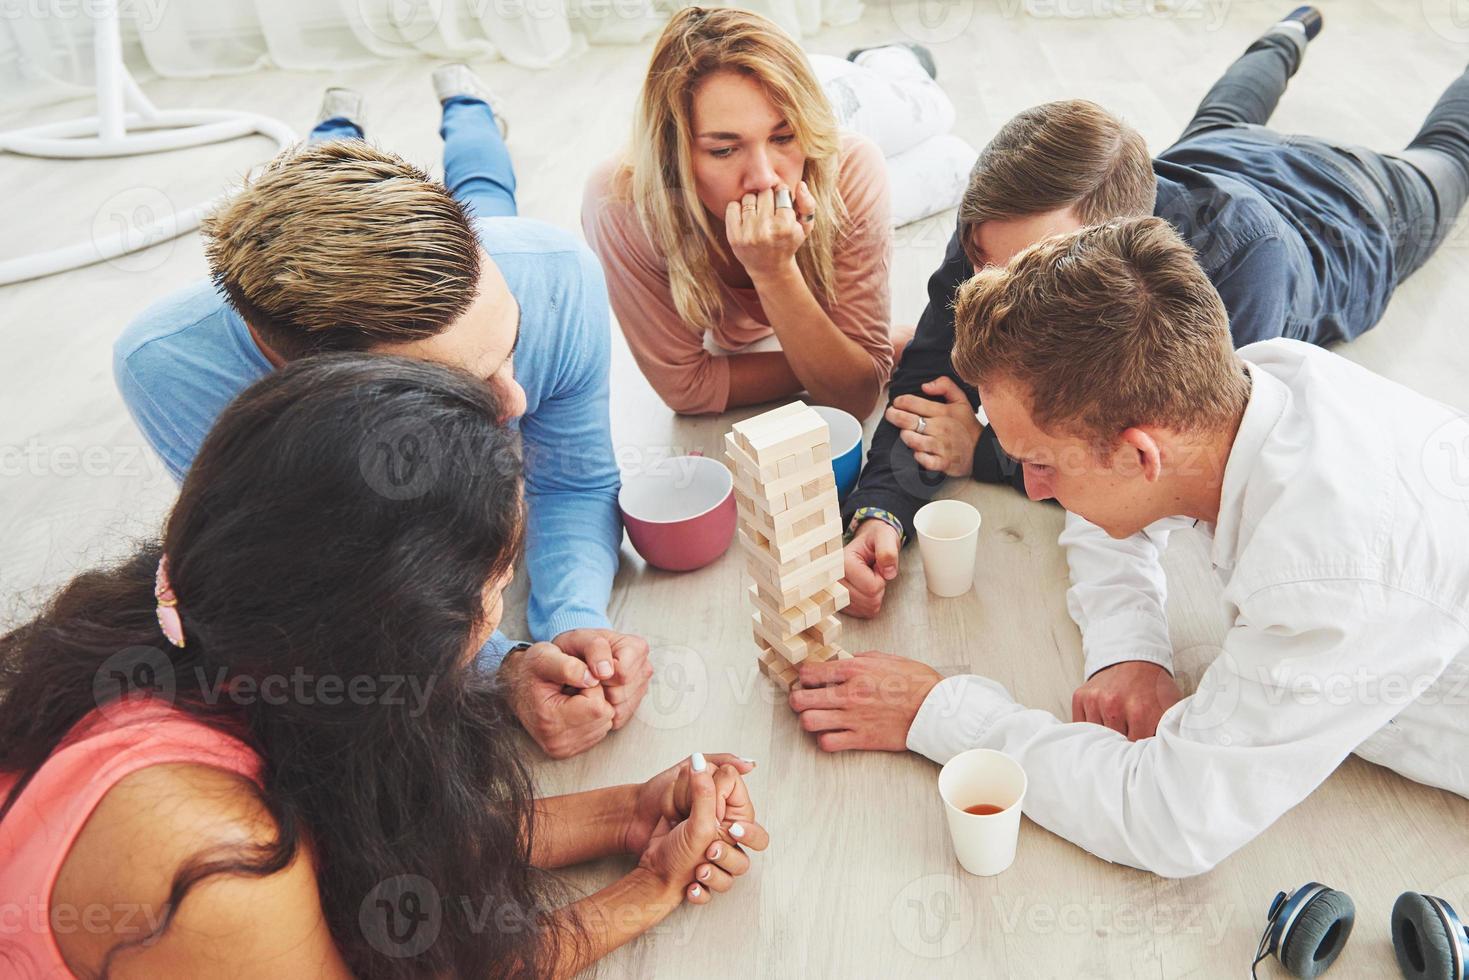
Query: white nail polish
x=695 y=892
x=745 y=758
x=697 y=761
x=736 y=831
x=704 y=875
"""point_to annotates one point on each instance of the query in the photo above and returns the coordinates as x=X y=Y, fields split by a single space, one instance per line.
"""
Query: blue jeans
x=477 y=168
x=1416 y=194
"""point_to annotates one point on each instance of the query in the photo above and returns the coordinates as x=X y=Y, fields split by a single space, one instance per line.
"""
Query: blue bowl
x=846 y=448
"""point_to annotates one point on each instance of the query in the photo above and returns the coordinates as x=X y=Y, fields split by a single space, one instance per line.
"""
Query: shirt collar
x=1268 y=399
x=245 y=341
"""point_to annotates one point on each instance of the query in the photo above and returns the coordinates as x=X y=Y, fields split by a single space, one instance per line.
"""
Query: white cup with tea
x=982 y=792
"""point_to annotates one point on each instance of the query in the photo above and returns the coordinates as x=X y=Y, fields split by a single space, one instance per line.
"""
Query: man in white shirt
x=1338 y=507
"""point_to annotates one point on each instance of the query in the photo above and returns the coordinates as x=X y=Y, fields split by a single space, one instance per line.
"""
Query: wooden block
x=803 y=612
x=760 y=428
x=792 y=620
x=781 y=432
x=743 y=464
x=782 y=561
x=839 y=654
x=782 y=492
x=822 y=597
x=784 y=411
x=815 y=488
x=770 y=496
x=840 y=596
x=794 y=647
x=827 y=630
x=812 y=544
x=775 y=667
x=781 y=526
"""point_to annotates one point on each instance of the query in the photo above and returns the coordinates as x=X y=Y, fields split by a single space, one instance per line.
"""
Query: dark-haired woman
x=261 y=748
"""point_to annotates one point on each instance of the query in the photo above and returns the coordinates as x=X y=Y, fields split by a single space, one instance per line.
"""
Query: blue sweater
x=184 y=358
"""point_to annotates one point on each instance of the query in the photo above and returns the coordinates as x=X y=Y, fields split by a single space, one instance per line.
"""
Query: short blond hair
x=658 y=174
x=338 y=245
x=1071 y=153
x=1109 y=327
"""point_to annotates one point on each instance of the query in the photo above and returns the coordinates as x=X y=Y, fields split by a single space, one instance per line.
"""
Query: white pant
x=888 y=97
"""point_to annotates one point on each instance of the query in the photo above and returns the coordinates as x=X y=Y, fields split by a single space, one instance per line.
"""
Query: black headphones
x=1308 y=928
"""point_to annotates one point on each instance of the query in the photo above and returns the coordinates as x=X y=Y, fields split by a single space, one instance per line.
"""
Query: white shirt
x=1343 y=547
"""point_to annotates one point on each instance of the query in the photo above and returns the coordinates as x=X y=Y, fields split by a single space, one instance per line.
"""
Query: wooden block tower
x=790 y=530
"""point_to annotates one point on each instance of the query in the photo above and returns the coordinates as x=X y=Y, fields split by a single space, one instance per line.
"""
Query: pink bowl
x=681 y=515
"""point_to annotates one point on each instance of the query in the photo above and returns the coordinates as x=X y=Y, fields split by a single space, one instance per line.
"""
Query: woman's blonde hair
x=658 y=171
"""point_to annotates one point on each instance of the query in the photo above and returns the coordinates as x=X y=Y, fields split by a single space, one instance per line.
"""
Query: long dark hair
x=342 y=519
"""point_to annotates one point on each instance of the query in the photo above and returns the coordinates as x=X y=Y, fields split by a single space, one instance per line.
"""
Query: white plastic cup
x=984 y=843
x=948 y=538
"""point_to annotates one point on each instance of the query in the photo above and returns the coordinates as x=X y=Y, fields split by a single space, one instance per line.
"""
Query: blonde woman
x=746 y=240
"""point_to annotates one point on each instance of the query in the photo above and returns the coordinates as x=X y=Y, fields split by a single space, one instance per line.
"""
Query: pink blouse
x=37 y=834
x=687 y=376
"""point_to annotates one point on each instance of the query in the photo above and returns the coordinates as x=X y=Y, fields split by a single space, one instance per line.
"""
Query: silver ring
x=783 y=198
x=922 y=424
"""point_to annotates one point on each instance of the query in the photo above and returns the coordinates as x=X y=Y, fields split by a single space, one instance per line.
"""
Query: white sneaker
x=344 y=103
x=458 y=79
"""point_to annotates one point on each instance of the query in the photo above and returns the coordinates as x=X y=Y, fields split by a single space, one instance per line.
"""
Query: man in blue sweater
x=340 y=246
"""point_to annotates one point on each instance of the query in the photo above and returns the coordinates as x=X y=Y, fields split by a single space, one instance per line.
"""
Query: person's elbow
x=858 y=401
x=689 y=399
x=1182 y=865
x=1180 y=854
x=859 y=406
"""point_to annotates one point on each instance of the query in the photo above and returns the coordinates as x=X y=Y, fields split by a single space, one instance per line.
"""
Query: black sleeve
x=892 y=480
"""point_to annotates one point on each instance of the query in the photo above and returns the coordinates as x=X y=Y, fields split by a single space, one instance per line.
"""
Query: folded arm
x=1262 y=731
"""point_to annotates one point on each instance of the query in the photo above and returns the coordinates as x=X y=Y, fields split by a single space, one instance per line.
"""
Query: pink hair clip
x=168 y=611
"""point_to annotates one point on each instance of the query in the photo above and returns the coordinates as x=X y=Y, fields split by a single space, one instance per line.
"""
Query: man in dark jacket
x=1301 y=238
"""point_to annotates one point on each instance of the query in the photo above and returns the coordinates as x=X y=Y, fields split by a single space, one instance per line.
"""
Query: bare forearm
x=758 y=378
x=622 y=911
x=581 y=826
x=830 y=365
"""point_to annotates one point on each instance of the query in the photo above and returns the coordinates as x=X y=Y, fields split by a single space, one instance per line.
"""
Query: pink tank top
x=38 y=832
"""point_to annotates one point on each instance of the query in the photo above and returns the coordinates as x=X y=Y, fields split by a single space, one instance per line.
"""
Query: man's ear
x=969 y=242
x=1147 y=453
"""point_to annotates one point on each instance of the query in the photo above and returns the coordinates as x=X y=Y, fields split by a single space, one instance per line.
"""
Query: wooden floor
x=860 y=880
